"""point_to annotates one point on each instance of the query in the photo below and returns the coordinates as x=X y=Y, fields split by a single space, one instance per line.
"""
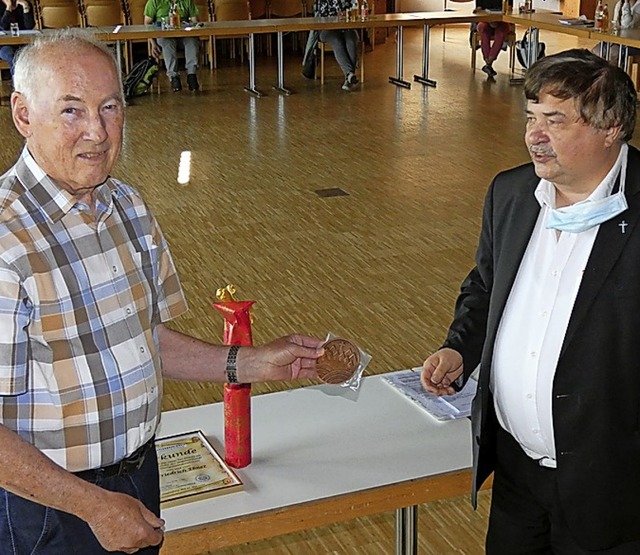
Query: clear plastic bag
x=343 y=362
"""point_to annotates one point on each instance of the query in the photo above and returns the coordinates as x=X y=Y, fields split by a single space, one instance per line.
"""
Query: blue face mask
x=586 y=214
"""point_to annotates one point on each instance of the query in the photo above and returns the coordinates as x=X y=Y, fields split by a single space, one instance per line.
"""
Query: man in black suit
x=551 y=314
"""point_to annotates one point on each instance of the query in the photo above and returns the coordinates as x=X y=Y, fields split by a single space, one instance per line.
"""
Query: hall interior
x=353 y=213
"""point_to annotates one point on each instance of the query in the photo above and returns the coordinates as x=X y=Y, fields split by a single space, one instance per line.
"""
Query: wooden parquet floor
x=380 y=265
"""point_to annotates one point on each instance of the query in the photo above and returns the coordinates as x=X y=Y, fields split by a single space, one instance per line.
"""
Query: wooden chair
x=279 y=9
x=286 y=8
x=510 y=42
x=259 y=9
x=106 y=13
x=135 y=11
x=231 y=10
x=205 y=13
x=103 y=13
x=58 y=14
x=323 y=47
x=446 y=8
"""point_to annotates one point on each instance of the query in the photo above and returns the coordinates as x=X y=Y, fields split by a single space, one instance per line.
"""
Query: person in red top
x=14 y=11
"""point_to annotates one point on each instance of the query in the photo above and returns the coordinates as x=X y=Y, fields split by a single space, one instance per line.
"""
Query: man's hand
x=9 y=5
x=26 y=7
x=440 y=370
x=122 y=523
x=288 y=358
x=156 y=51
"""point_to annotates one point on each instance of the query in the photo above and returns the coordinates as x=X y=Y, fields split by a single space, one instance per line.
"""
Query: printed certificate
x=191 y=469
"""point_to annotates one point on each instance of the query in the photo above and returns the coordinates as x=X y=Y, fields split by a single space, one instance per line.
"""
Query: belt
x=126 y=466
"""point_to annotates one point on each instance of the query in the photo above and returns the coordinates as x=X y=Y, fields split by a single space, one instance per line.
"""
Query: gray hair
x=604 y=94
x=27 y=78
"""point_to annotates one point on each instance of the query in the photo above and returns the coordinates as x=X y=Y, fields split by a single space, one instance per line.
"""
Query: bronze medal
x=339 y=361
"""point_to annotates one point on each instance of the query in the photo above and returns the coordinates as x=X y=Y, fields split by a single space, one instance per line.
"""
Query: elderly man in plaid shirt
x=86 y=282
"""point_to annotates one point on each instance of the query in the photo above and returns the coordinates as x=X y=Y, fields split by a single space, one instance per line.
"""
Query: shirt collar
x=54 y=200
x=545 y=192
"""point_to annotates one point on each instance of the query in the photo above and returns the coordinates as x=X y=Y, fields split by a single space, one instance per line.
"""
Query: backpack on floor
x=140 y=78
x=522 y=47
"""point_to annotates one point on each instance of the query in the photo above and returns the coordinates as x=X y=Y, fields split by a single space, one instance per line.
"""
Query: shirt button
x=555 y=273
x=128 y=311
x=535 y=431
x=115 y=269
x=529 y=396
x=142 y=349
x=545 y=314
x=533 y=354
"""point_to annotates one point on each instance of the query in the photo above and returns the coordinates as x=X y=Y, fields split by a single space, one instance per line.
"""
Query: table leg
x=407 y=531
x=398 y=79
x=280 y=86
x=424 y=78
x=252 y=69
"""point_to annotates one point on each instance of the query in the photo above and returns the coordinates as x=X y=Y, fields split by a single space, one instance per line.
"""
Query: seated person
x=492 y=37
x=156 y=10
x=344 y=42
x=14 y=11
x=626 y=15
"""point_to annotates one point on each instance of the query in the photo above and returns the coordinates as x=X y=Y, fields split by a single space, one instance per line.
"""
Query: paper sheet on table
x=448 y=407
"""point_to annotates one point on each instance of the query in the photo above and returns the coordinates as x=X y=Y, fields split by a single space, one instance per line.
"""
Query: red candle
x=237 y=424
x=237 y=397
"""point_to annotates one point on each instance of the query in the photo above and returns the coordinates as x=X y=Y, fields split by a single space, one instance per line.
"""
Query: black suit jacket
x=596 y=389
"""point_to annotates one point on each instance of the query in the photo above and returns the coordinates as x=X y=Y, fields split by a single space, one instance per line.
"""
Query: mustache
x=544 y=149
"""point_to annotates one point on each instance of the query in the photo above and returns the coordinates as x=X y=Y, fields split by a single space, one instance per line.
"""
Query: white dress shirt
x=535 y=320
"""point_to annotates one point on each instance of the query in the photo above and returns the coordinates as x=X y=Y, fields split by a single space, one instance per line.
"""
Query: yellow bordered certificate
x=191 y=469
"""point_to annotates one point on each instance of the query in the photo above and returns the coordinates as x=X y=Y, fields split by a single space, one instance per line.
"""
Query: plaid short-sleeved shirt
x=81 y=294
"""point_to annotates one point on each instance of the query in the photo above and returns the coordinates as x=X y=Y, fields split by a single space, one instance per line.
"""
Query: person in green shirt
x=156 y=10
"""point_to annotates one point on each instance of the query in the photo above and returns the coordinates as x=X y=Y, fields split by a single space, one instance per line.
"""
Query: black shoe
x=489 y=70
x=192 y=81
x=176 y=85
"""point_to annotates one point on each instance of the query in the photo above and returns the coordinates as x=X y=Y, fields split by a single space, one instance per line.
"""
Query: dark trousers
x=27 y=528
x=525 y=514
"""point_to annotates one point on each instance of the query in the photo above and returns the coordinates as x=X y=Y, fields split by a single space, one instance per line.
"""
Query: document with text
x=448 y=407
